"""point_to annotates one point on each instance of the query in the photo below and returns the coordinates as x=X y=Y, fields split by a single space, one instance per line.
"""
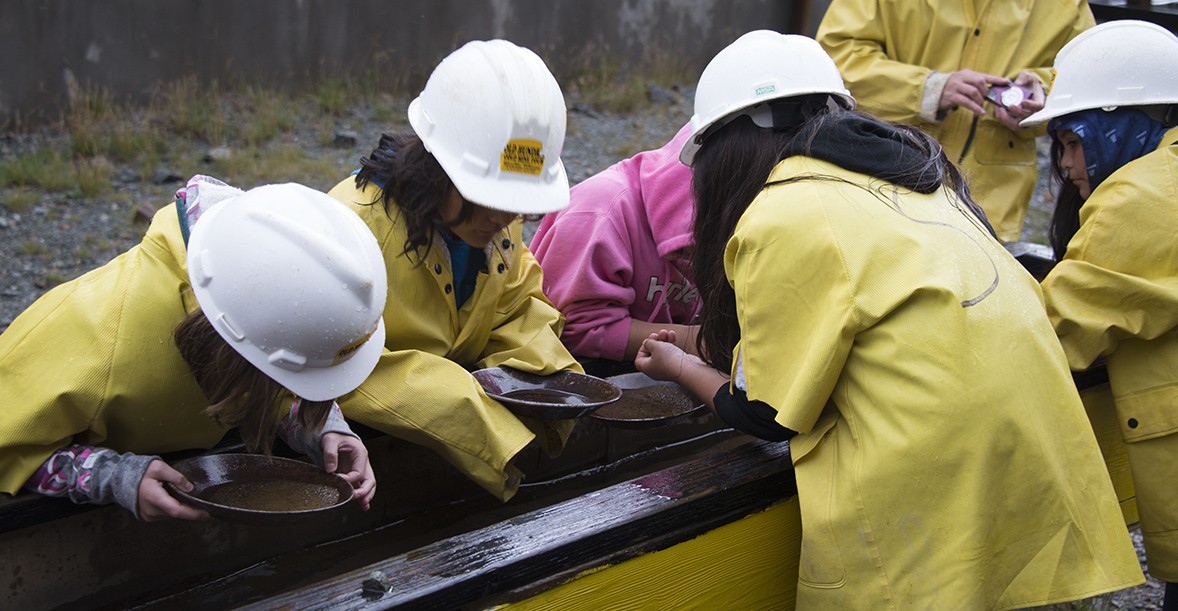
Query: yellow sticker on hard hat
x=1051 y=85
x=346 y=352
x=522 y=157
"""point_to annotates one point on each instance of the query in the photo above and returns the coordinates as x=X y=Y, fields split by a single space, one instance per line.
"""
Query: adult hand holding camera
x=967 y=89
x=1011 y=115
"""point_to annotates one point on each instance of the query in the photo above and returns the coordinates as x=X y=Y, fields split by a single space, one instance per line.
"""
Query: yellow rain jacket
x=93 y=362
x=421 y=389
x=886 y=50
x=1116 y=293
x=944 y=459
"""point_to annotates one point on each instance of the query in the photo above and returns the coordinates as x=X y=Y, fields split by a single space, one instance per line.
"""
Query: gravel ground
x=59 y=237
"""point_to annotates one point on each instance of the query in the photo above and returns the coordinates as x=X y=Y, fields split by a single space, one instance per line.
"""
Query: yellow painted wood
x=1098 y=402
x=749 y=564
x=753 y=563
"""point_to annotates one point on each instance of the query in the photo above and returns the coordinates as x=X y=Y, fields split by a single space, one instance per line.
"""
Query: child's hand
x=156 y=504
x=660 y=358
x=347 y=456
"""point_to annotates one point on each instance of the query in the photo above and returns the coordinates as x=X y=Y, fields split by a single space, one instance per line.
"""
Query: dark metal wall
x=126 y=47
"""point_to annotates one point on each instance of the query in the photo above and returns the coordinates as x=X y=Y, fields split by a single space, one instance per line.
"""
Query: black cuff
x=755 y=418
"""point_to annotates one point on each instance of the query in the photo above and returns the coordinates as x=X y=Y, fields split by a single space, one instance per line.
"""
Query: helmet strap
x=1170 y=117
x=789 y=113
x=1166 y=114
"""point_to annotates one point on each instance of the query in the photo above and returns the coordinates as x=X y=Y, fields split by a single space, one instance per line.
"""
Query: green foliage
x=279 y=163
x=190 y=110
x=182 y=120
x=32 y=247
x=265 y=115
x=336 y=95
x=43 y=168
x=93 y=176
x=605 y=84
x=18 y=200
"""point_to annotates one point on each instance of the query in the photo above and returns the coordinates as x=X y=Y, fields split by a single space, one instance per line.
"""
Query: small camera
x=1008 y=95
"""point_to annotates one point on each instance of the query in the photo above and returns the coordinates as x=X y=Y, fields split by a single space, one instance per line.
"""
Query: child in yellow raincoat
x=444 y=203
x=219 y=318
x=866 y=312
x=1113 y=118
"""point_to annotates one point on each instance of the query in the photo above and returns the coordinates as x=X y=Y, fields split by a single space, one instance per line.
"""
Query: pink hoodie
x=611 y=255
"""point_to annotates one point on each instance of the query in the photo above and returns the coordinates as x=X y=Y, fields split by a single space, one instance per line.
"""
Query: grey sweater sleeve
x=90 y=474
x=310 y=443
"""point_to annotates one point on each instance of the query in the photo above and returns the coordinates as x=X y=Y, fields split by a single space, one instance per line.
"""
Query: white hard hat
x=1117 y=63
x=760 y=66
x=295 y=282
x=494 y=117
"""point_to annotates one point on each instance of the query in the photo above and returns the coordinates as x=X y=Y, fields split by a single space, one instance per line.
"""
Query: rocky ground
x=60 y=236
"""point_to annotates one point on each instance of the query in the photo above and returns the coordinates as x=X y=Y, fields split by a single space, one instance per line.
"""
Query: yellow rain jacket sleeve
x=1116 y=294
x=887 y=50
x=93 y=362
x=422 y=390
x=944 y=459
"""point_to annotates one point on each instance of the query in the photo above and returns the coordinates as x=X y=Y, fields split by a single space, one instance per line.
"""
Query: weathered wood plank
x=625 y=520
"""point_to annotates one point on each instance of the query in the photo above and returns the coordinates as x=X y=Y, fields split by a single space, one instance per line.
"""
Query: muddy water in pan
x=272 y=495
x=648 y=403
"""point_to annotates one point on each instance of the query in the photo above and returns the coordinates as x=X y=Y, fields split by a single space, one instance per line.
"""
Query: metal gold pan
x=259 y=489
x=648 y=403
x=560 y=396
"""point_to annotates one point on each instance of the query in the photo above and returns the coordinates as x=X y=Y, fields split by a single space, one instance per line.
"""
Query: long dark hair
x=239 y=394
x=414 y=182
x=728 y=172
x=731 y=168
x=1065 y=219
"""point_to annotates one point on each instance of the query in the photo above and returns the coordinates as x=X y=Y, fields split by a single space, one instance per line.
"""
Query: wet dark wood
x=54 y=553
x=648 y=513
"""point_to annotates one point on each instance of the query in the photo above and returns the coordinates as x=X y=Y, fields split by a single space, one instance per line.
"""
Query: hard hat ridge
x=347 y=266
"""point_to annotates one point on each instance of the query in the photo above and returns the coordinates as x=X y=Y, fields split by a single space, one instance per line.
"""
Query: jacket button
x=977 y=32
x=438 y=267
x=448 y=289
x=1132 y=423
x=501 y=268
x=506 y=242
x=1010 y=144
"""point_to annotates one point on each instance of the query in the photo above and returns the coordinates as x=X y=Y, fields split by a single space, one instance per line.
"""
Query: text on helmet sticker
x=763 y=89
x=346 y=352
x=522 y=157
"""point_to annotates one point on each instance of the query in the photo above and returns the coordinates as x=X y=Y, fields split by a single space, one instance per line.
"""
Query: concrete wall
x=127 y=47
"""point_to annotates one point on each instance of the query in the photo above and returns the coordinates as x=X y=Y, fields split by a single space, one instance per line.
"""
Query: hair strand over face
x=239 y=394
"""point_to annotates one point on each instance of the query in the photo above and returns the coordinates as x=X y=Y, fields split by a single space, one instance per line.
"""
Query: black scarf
x=868 y=146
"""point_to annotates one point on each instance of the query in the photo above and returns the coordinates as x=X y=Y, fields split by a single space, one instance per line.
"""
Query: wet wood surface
x=543 y=547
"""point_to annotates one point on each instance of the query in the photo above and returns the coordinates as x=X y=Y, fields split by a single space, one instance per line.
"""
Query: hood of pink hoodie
x=665 y=184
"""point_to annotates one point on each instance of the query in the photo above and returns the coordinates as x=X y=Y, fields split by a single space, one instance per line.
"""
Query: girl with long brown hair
x=857 y=303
